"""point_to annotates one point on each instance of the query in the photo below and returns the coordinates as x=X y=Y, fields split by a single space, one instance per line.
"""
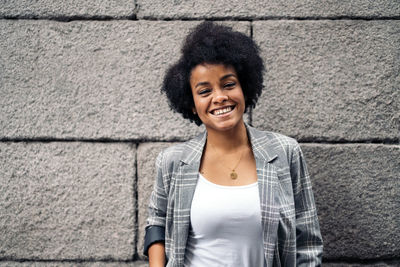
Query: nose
x=219 y=96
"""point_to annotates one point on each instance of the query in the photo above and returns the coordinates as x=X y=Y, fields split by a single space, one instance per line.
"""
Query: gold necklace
x=233 y=174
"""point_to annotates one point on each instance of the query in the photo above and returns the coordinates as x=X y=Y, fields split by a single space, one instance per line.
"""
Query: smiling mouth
x=222 y=111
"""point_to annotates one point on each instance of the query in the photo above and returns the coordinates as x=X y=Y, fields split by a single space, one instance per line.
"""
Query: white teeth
x=222 y=111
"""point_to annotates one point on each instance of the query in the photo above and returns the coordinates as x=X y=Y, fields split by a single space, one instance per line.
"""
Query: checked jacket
x=291 y=233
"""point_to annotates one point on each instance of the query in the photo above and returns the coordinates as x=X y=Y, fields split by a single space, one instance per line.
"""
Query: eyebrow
x=222 y=78
x=227 y=76
x=202 y=83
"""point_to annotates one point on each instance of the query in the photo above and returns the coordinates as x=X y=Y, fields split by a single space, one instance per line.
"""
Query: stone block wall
x=82 y=119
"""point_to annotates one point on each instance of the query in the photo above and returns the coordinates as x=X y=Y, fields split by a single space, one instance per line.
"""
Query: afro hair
x=213 y=44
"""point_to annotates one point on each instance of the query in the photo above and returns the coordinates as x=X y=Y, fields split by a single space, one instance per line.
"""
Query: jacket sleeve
x=155 y=228
x=308 y=235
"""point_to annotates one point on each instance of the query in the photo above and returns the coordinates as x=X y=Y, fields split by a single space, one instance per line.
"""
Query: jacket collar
x=260 y=144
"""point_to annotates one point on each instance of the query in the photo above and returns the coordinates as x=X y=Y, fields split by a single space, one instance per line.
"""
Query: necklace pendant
x=234 y=175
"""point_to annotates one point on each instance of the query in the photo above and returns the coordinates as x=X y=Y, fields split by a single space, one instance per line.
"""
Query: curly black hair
x=214 y=44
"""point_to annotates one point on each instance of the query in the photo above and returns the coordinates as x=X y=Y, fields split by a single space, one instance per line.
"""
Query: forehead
x=207 y=71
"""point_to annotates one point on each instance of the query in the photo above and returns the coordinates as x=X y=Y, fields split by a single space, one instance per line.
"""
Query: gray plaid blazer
x=289 y=219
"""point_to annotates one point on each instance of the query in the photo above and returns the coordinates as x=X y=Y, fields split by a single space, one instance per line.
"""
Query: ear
x=194 y=110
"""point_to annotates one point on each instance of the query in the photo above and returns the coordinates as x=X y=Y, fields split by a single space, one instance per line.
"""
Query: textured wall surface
x=357 y=189
x=330 y=80
x=63 y=200
x=66 y=9
x=82 y=119
x=256 y=9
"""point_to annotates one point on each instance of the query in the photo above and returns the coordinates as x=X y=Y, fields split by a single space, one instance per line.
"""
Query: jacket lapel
x=186 y=182
x=264 y=154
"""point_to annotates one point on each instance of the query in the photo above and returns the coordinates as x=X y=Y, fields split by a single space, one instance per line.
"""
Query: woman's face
x=218 y=97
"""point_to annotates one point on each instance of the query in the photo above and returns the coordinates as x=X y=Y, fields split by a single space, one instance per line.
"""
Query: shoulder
x=171 y=154
x=185 y=151
x=273 y=141
x=282 y=150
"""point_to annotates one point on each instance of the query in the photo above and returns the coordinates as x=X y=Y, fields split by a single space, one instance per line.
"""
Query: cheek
x=198 y=104
x=240 y=96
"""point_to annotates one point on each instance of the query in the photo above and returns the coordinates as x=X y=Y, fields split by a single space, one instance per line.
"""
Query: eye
x=229 y=85
x=204 y=91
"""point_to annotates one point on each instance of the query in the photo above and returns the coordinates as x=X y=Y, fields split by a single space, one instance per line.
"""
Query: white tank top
x=225 y=226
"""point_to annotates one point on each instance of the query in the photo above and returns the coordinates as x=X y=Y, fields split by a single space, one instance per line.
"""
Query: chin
x=226 y=126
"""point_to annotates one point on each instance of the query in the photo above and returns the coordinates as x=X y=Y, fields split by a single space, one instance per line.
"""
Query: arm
x=157 y=255
x=308 y=235
x=155 y=230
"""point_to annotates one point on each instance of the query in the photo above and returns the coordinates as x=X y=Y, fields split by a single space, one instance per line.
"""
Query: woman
x=233 y=196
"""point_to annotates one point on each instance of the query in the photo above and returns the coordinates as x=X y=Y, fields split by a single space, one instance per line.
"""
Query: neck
x=230 y=140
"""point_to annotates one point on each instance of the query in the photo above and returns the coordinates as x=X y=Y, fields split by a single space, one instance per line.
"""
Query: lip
x=225 y=114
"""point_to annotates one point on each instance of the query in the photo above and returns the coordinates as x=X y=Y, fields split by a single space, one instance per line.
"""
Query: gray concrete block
x=73 y=264
x=330 y=80
x=357 y=190
x=67 y=200
x=266 y=9
x=90 y=79
x=147 y=154
x=70 y=8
